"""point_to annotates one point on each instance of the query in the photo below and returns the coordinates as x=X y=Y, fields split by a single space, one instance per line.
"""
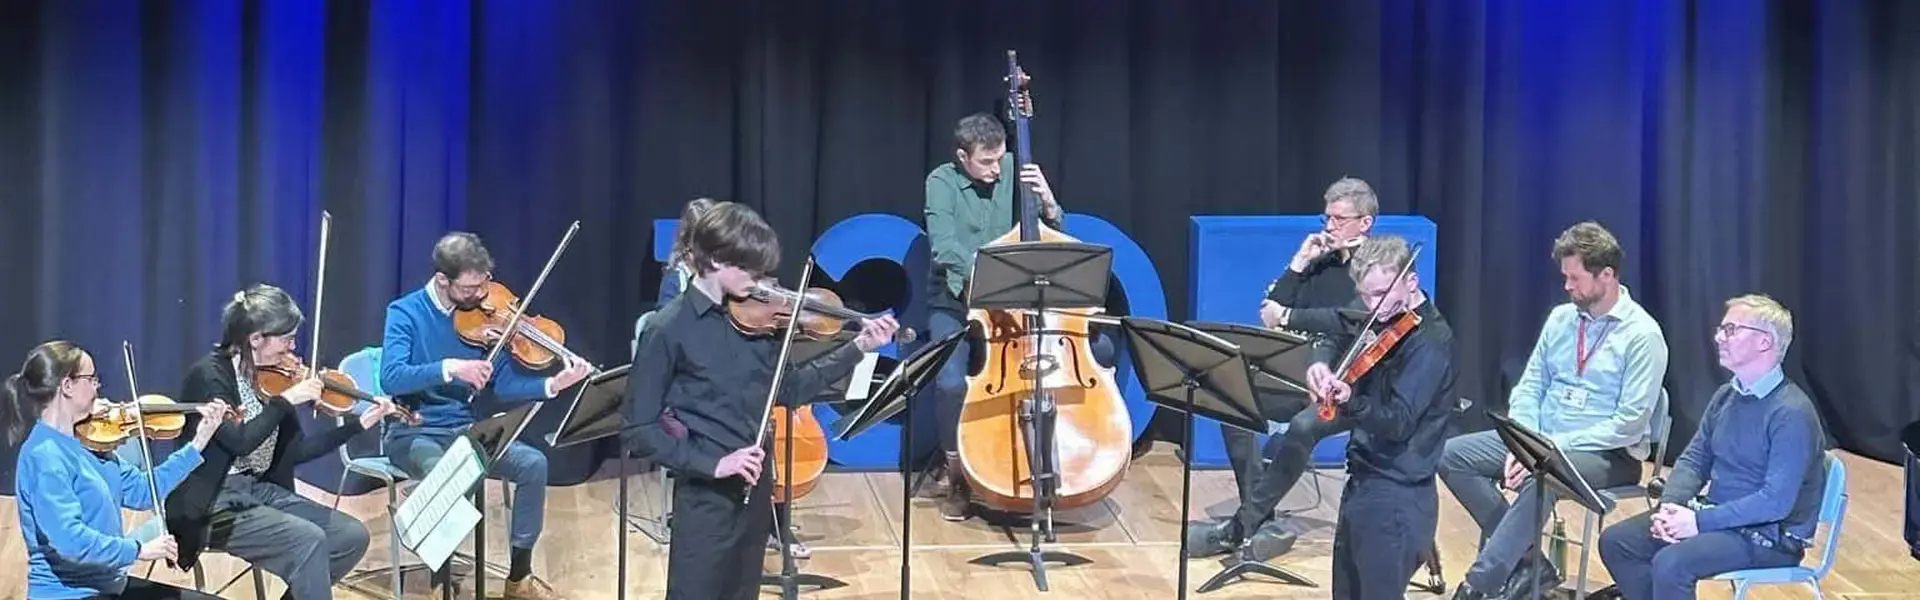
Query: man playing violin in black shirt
x=692 y=359
x=1399 y=409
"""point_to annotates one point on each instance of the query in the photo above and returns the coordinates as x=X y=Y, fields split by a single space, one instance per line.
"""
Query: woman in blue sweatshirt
x=69 y=498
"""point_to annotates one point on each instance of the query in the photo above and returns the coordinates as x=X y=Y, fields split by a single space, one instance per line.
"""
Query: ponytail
x=17 y=420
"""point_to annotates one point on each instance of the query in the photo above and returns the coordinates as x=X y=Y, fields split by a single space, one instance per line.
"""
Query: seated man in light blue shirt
x=1590 y=385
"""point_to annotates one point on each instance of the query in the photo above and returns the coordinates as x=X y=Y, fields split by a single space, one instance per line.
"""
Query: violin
x=339 y=392
x=1037 y=363
x=110 y=424
x=538 y=342
x=1370 y=347
x=1373 y=348
x=768 y=308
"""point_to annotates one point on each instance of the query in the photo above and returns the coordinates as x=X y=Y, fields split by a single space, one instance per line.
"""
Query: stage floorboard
x=853 y=522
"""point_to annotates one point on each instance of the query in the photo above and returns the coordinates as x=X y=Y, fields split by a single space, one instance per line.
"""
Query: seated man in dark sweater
x=427 y=367
x=1760 y=446
x=1304 y=299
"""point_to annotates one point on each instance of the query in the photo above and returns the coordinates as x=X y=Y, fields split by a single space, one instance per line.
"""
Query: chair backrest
x=364 y=367
x=1662 y=430
x=1833 y=511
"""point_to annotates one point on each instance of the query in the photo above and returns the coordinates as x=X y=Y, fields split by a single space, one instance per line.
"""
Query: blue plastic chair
x=1833 y=513
x=364 y=367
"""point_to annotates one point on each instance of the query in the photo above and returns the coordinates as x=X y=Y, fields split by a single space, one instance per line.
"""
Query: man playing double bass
x=1399 y=408
x=969 y=203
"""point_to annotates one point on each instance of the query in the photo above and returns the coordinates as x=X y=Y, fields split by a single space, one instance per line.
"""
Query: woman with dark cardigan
x=241 y=500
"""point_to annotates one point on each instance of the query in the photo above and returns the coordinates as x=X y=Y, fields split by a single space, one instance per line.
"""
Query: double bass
x=1092 y=432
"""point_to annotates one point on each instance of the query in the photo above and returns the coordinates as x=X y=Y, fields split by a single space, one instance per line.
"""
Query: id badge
x=1577 y=398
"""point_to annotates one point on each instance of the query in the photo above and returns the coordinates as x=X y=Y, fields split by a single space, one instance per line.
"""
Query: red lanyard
x=1580 y=352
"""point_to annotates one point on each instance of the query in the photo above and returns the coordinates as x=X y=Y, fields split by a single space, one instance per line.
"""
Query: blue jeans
x=1644 y=568
x=417 y=450
x=950 y=385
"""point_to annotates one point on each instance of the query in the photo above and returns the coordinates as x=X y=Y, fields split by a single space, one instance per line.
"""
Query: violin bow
x=780 y=369
x=140 y=423
x=1373 y=315
x=319 y=293
x=513 y=324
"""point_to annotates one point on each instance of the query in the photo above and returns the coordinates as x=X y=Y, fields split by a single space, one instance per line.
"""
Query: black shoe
x=1211 y=538
x=1605 y=593
x=1271 y=541
x=1466 y=592
x=1520 y=584
x=958 y=504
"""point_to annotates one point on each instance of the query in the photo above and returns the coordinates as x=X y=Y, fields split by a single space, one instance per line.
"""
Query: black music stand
x=594 y=414
x=1039 y=277
x=1550 y=468
x=1278 y=361
x=894 y=395
x=492 y=436
x=1189 y=371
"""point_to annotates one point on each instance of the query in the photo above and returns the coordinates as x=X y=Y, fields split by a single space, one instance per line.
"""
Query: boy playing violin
x=715 y=378
x=1399 y=409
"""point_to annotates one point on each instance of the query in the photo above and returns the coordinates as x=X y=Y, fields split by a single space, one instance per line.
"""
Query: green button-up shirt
x=962 y=216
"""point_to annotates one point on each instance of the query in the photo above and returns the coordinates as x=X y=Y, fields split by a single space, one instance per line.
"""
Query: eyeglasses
x=94 y=377
x=1728 y=329
x=1326 y=219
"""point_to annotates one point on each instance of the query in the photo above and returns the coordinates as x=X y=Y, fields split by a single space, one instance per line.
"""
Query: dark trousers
x=950 y=385
x=1263 y=481
x=718 y=541
x=307 y=545
x=1384 y=528
x=1644 y=568
x=1508 y=532
x=141 y=589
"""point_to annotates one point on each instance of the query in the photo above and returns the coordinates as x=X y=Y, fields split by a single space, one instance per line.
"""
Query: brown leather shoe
x=531 y=588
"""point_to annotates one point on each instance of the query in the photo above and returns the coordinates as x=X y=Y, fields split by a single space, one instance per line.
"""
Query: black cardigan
x=190 y=506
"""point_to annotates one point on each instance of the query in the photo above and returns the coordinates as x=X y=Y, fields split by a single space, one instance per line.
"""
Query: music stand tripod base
x=1275 y=365
x=1038 y=277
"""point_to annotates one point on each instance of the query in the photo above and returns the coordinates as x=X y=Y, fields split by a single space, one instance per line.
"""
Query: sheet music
x=860 y=387
x=437 y=516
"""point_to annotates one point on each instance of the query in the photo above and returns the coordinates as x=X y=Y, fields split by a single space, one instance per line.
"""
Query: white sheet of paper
x=438 y=508
x=441 y=541
x=862 y=383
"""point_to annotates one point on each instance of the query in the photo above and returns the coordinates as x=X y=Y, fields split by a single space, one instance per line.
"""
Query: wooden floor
x=853 y=522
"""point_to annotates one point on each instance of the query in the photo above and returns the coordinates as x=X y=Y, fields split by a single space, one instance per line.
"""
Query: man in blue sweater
x=426 y=367
x=1760 y=445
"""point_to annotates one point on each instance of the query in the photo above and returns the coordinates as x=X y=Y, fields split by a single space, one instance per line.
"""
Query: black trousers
x=718 y=541
x=1263 y=478
x=1384 y=528
x=141 y=589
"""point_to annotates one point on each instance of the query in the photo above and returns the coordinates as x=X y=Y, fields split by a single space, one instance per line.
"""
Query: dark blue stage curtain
x=157 y=156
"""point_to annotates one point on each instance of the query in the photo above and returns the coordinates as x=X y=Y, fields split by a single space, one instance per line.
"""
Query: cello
x=1029 y=379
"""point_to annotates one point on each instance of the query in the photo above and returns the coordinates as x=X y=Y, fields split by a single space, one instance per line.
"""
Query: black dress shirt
x=715 y=378
x=1401 y=407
